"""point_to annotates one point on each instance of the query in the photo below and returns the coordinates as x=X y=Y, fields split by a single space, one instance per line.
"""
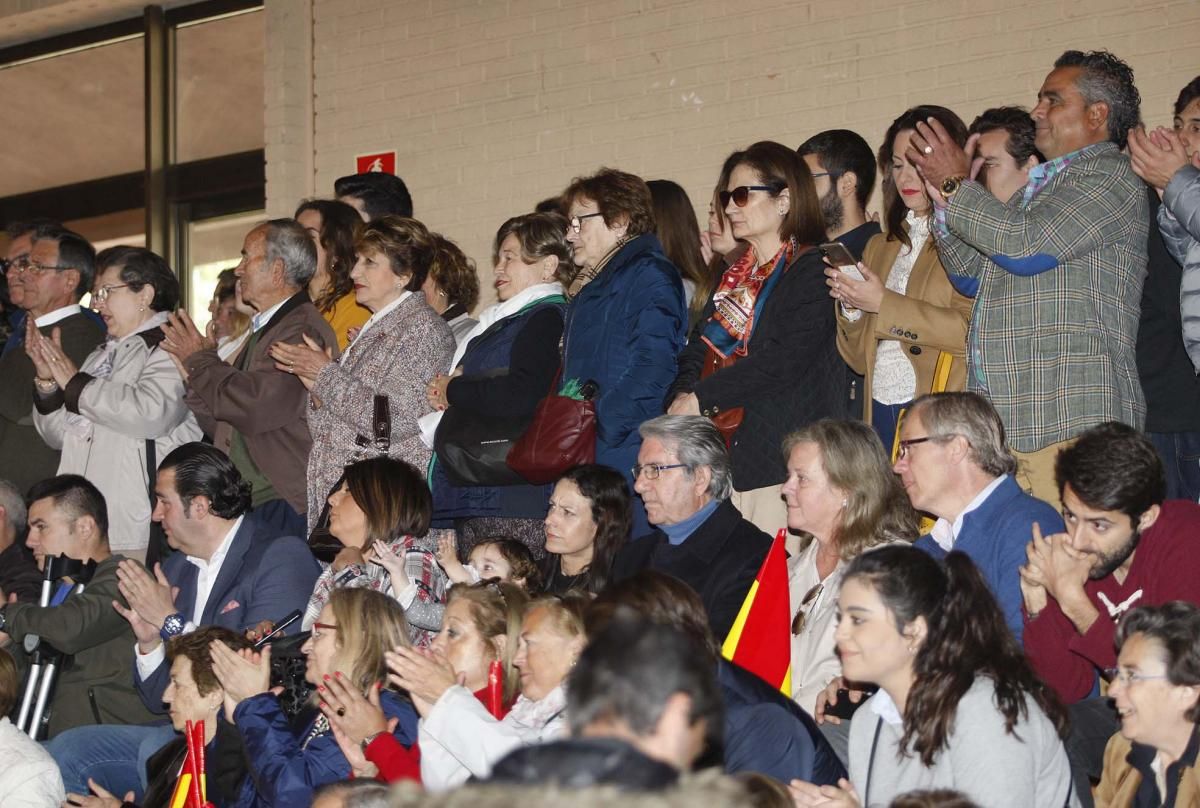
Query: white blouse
x=894 y=380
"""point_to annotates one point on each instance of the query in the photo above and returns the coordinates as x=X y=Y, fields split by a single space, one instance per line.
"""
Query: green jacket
x=96 y=685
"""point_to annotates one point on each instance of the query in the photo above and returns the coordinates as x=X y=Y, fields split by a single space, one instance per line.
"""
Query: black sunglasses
x=741 y=194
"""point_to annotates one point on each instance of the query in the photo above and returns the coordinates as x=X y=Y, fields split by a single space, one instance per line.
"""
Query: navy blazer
x=768 y=733
x=263 y=577
x=994 y=536
x=720 y=560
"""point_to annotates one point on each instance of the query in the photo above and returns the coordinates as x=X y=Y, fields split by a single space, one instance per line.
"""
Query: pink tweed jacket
x=396 y=358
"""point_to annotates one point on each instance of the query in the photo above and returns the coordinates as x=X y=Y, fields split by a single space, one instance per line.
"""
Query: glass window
x=73 y=117
x=219 y=66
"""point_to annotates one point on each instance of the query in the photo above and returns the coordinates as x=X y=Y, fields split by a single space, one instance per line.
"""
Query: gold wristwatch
x=950 y=186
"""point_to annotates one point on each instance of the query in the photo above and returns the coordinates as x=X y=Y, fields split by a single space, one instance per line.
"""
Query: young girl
x=497 y=558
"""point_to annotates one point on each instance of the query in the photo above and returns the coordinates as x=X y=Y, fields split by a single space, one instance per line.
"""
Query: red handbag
x=561 y=436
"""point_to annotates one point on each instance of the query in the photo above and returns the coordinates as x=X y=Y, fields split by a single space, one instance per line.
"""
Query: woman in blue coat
x=627 y=320
x=348 y=640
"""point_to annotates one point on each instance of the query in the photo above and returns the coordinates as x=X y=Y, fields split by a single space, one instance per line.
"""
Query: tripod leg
x=31 y=687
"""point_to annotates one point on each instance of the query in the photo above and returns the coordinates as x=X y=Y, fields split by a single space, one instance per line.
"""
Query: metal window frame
x=172 y=194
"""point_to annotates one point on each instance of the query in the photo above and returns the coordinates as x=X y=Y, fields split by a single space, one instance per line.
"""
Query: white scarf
x=428 y=423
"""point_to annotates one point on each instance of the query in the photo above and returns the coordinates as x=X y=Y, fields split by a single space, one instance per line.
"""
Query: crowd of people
x=368 y=535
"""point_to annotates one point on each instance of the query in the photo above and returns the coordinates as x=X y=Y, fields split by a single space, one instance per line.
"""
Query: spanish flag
x=760 y=640
x=190 y=788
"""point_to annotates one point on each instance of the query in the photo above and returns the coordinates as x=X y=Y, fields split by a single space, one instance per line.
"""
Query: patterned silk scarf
x=739 y=299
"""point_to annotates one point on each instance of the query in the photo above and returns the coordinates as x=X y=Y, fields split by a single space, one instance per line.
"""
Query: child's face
x=489 y=563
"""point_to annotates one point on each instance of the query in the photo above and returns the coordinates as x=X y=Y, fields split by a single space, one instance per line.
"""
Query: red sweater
x=1166 y=566
x=394 y=761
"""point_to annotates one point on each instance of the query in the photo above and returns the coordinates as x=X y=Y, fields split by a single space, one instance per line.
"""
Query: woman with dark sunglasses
x=763 y=361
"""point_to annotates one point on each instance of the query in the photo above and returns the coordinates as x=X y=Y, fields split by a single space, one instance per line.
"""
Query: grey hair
x=696 y=442
x=974 y=418
x=14 y=506
x=290 y=243
x=1104 y=77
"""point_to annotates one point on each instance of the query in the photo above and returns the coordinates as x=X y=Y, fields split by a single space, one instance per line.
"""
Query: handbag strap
x=381 y=427
x=871 y=761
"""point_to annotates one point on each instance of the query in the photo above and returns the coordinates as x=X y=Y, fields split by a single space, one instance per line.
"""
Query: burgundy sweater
x=1166 y=566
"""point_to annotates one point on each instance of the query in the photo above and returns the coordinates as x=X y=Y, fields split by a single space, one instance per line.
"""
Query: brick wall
x=493 y=105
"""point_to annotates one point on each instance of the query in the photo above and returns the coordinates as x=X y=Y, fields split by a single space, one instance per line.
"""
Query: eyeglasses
x=653 y=470
x=319 y=627
x=1127 y=676
x=905 y=444
x=104 y=291
x=805 y=607
x=23 y=264
x=820 y=174
x=577 y=221
x=741 y=194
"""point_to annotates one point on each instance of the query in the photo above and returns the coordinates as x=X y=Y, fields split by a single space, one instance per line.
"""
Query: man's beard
x=1107 y=563
x=832 y=210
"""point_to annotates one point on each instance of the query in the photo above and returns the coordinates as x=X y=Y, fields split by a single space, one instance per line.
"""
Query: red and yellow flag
x=760 y=640
x=190 y=788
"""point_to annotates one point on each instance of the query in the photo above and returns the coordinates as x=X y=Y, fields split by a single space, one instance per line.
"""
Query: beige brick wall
x=493 y=105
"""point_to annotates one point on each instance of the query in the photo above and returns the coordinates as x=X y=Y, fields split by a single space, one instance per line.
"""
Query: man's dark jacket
x=719 y=560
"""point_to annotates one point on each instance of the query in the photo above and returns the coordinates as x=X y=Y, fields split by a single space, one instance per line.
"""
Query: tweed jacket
x=267 y=406
x=397 y=357
x=1179 y=221
x=1055 y=350
x=24 y=457
x=930 y=317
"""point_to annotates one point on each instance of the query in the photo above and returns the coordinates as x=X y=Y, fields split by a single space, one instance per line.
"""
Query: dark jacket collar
x=291 y=304
x=1142 y=756
x=585 y=762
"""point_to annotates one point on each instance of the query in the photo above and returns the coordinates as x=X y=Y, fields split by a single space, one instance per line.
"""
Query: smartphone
x=840 y=257
x=844 y=708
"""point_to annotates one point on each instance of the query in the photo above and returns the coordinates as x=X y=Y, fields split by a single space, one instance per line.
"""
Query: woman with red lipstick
x=126 y=393
x=502 y=368
x=893 y=325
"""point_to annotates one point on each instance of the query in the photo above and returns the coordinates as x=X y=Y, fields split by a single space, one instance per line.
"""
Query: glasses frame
x=576 y=222
x=1128 y=677
x=22 y=264
x=805 y=607
x=659 y=468
x=742 y=191
x=101 y=294
x=318 y=627
x=903 y=445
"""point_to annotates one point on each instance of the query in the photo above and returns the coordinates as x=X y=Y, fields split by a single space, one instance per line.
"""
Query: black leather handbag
x=473 y=450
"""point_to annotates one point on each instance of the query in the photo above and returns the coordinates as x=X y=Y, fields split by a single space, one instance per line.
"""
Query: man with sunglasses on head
x=1125 y=545
x=684 y=478
x=47 y=282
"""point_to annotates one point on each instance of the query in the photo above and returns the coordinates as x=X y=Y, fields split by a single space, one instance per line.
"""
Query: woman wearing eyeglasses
x=841 y=492
x=1156 y=687
x=627 y=320
x=127 y=393
x=762 y=361
x=893 y=325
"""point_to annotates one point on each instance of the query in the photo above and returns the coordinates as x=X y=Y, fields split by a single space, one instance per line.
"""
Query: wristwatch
x=367 y=741
x=950 y=186
x=3 y=621
x=172 y=626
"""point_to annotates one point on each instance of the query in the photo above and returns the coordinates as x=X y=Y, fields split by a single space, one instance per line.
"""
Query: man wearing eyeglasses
x=47 y=282
x=955 y=465
x=684 y=478
x=1125 y=545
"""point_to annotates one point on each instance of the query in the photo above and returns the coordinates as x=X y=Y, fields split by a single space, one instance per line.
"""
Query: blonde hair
x=567 y=611
x=497 y=610
x=369 y=624
x=877 y=510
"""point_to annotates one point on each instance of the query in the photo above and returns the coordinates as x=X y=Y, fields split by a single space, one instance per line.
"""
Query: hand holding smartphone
x=838 y=256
